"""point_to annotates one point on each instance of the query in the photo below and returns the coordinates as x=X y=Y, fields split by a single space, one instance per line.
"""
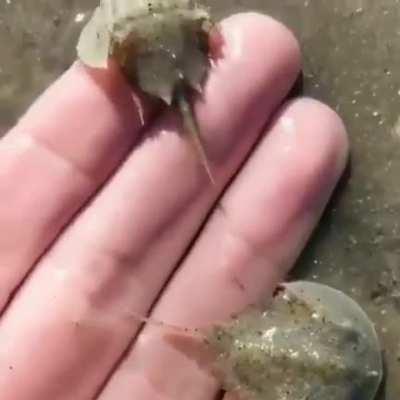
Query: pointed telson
x=191 y=128
x=159 y=44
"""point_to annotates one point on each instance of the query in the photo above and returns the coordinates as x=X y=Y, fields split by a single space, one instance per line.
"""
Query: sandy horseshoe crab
x=310 y=342
x=162 y=46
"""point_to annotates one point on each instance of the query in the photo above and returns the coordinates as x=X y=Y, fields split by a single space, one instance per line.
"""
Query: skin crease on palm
x=102 y=211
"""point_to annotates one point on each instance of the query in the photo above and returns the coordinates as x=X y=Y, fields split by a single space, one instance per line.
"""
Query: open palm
x=103 y=211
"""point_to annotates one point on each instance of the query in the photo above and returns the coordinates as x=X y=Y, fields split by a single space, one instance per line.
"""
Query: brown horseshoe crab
x=160 y=45
x=312 y=342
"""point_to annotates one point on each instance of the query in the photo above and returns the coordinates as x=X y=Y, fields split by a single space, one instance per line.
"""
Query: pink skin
x=63 y=335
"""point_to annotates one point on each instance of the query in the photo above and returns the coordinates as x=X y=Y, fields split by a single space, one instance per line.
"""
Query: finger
x=270 y=211
x=117 y=255
x=56 y=157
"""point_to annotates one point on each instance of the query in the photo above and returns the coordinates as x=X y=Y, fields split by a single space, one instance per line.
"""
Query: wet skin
x=102 y=212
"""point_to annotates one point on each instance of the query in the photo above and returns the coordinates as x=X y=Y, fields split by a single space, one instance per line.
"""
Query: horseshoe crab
x=160 y=45
x=311 y=342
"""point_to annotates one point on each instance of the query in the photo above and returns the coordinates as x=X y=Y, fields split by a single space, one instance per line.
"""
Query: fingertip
x=325 y=139
x=259 y=63
x=293 y=172
x=273 y=39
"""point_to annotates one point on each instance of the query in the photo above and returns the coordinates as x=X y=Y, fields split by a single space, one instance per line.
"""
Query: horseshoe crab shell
x=161 y=45
x=313 y=342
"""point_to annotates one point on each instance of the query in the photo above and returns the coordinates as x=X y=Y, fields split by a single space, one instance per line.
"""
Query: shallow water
x=351 y=56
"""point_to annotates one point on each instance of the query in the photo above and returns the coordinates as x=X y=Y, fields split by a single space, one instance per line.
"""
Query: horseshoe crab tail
x=192 y=129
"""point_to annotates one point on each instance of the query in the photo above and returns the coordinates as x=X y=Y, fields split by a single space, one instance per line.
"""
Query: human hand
x=103 y=212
